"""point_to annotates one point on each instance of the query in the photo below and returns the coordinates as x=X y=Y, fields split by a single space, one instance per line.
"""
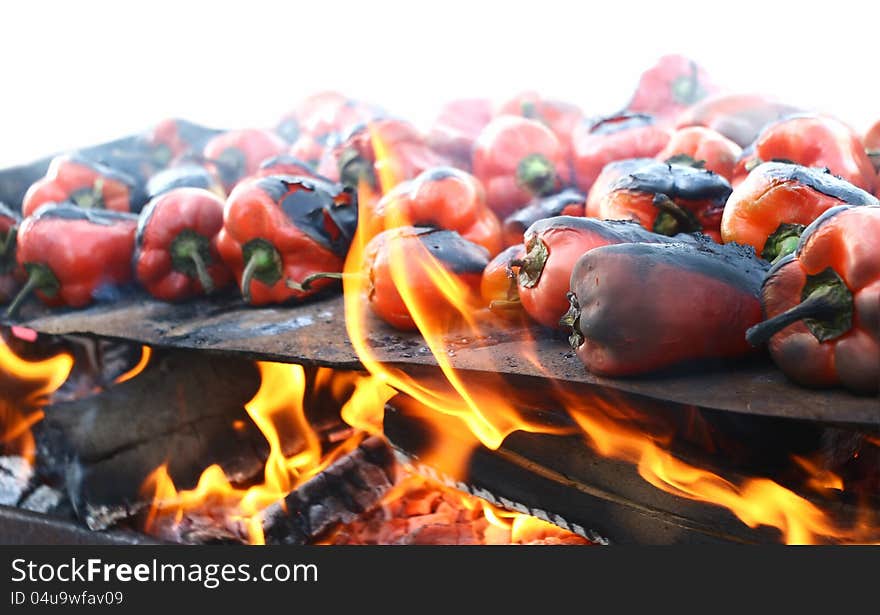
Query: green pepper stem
x=260 y=259
x=202 y=272
x=505 y=305
x=536 y=174
x=786 y=247
x=825 y=302
x=39 y=277
x=306 y=284
x=187 y=247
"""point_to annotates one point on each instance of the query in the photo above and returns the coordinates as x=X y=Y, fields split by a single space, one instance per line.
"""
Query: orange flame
x=146 y=353
x=40 y=379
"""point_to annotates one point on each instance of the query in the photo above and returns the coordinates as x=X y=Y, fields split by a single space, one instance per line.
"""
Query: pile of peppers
x=691 y=226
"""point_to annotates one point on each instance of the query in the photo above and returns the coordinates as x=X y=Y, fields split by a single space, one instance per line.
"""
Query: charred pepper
x=739 y=117
x=457 y=127
x=176 y=253
x=498 y=285
x=822 y=303
x=569 y=202
x=285 y=164
x=72 y=255
x=184 y=176
x=559 y=116
x=611 y=172
x=279 y=230
x=636 y=308
x=76 y=180
x=517 y=159
x=771 y=208
x=671 y=86
x=238 y=153
x=668 y=199
x=702 y=147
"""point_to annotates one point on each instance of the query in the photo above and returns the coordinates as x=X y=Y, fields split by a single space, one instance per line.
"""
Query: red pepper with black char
x=285 y=164
x=309 y=149
x=569 y=202
x=671 y=86
x=669 y=199
x=279 y=230
x=517 y=159
x=442 y=197
x=812 y=141
x=72 y=255
x=611 y=172
x=498 y=285
x=822 y=303
x=771 y=208
x=405 y=246
x=638 y=307
x=176 y=254
x=355 y=159
x=739 y=117
x=702 y=147
x=552 y=247
x=238 y=153
x=10 y=273
x=457 y=126
x=76 y=180
x=618 y=137
x=184 y=176
x=173 y=140
x=560 y=117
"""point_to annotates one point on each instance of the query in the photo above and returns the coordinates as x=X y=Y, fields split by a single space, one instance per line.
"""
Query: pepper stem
x=306 y=284
x=826 y=307
x=782 y=242
x=531 y=266
x=673 y=218
x=536 y=174
x=262 y=262
x=7 y=250
x=187 y=256
x=40 y=277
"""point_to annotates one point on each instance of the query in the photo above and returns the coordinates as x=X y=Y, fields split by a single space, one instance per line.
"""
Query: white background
x=77 y=72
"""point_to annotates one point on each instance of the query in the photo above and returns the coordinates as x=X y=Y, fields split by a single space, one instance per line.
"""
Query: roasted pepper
x=637 y=308
x=822 y=303
x=309 y=149
x=319 y=105
x=771 y=208
x=560 y=117
x=668 y=199
x=457 y=127
x=285 y=164
x=442 y=197
x=618 y=137
x=812 y=141
x=84 y=183
x=279 y=230
x=611 y=172
x=406 y=154
x=184 y=176
x=238 y=153
x=671 y=86
x=337 y=117
x=739 y=117
x=517 y=159
x=552 y=247
x=872 y=147
x=498 y=284
x=73 y=256
x=173 y=140
x=10 y=273
x=704 y=147
x=176 y=253
x=569 y=202
x=464 y=260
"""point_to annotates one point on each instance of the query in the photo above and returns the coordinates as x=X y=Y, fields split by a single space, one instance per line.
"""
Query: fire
x=19 y=413
x=278 y=410
x=146 y=353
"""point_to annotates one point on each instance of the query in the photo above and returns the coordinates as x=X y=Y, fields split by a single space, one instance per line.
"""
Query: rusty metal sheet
x=314 y=334
x=22 y=527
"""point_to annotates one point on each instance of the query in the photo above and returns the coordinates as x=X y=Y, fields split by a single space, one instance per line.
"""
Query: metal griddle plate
x=314 y=334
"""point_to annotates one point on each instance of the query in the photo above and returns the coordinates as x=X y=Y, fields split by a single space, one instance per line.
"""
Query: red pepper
x=517 y=159
x=10 y=272
x=279 y=230
x=498 y=284
x=332 y=114
x=176 y=253
x=457 y=127
x=637 y=308
x=238 y=153
x=771 y=208
x=560 y=117
x=671 y=86
x=872 y=147
x=73 y=255
x=739 y=117
x=813 y=141
x=669 y=199
x=442 y=197
x=552 y=247
x=569 y=202
x=173 y=139
x=322 y=104
x=81 y=182
x=308 y=149
x=355 y=158
x=184 y=176
x=462 y=259
x=285 y=164
x=614 y=138
x=611 y=172
x=704 y=147
x=822 y=303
